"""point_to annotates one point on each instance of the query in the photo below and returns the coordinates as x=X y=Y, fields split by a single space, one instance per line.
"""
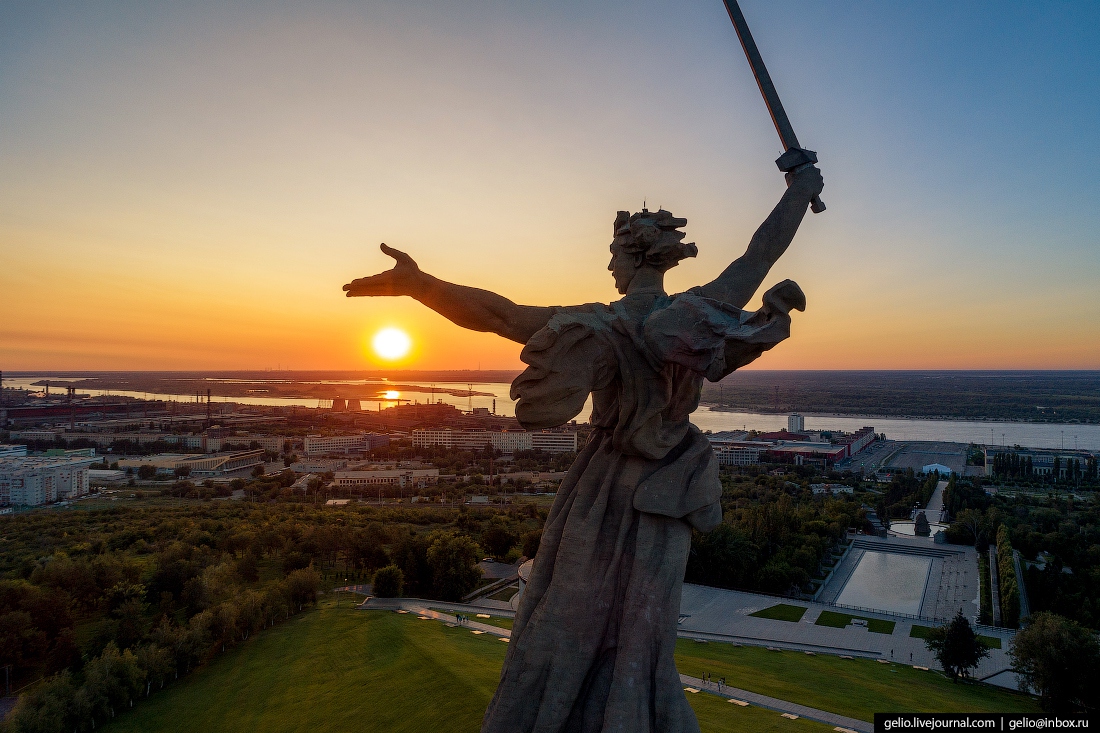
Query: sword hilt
x=799 y=159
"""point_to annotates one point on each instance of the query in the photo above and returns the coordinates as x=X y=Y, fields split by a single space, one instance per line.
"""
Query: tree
x=531 y=542
x=1059 y=660
x=182 y=471
x=453 y=560
x=388 y=582
x=971 y=520
x=497 y=540
x=147 y=472
x=921 y=528
x=957 y=648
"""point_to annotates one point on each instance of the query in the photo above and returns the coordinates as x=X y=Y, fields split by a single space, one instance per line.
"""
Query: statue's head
x=647 y=240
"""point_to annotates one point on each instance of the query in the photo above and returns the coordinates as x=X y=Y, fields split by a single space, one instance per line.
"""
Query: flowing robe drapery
x=593 y=640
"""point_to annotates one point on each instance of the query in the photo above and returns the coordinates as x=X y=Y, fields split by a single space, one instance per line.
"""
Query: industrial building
x=37 y=480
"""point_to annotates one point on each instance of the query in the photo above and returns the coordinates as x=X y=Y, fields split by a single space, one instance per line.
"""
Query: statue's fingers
x=397 y=254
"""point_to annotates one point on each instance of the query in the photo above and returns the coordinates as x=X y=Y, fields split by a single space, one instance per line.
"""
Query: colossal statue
x=593 y=640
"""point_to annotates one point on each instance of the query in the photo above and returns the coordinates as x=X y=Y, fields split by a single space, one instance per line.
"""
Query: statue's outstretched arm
x=742 y=278
x=472 y=308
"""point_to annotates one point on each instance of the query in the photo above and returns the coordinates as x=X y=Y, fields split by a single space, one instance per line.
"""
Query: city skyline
x=188 y=187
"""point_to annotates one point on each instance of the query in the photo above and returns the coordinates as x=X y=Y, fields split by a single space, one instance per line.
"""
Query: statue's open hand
x=403 y=279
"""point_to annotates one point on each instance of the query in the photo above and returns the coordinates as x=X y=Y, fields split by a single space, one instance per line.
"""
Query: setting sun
x=391 y=343
x=391 y=395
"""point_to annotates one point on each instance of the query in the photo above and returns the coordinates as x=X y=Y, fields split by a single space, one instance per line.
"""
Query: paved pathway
x=934 y=511
x=781 y=706
x=423 y=607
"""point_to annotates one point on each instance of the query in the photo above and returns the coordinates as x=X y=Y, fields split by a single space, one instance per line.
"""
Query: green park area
x=337 y=669
x=840 y=620
x=857 y=688
x=781 y=612
x=922 y=632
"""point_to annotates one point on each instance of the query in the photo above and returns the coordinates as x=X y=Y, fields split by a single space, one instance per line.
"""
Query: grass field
x=857 y=688
x=921 y=632
x=782 y=612
x=338 y=669
x=505 y=594
x=840 y=620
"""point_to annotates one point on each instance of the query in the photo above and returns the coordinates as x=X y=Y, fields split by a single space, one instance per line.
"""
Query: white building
x=795 y=423
x=270 y=443
x=739 y=454
x=320 y=445
x=554 y=442
x=505 y=441
x=42 y=479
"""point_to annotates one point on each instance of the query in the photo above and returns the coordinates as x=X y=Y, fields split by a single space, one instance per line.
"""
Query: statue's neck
x=646 y=280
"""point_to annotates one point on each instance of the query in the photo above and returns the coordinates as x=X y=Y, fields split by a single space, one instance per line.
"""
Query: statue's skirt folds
x=593 y=642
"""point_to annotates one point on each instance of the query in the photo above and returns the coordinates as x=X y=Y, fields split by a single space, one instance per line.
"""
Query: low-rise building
x=270 y=443
x=314 y=465
x=200 y=466
x=403 y=478
x=37 y=480
x=1017 y=461
x=12 y=451
x=830 y=489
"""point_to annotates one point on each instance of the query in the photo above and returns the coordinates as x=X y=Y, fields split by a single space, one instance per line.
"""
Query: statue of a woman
x=593 y=640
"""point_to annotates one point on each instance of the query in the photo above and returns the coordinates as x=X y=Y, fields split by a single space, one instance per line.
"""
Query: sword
x=795 y=158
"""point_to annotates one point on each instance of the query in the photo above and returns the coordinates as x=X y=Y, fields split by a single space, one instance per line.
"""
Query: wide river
x=1033 y=435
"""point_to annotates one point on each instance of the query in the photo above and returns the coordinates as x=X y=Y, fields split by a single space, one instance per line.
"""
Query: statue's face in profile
x=623 y=267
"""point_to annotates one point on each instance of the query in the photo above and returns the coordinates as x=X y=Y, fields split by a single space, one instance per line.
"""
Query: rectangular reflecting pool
x=887 y=582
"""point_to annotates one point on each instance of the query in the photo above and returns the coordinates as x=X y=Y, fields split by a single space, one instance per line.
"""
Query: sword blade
x=767 y=90
x=763 y=78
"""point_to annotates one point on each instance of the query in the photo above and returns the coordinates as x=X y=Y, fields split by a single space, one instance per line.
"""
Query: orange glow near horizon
x=189 y=188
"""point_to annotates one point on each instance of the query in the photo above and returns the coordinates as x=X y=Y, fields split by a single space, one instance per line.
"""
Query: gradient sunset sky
x=187 y=185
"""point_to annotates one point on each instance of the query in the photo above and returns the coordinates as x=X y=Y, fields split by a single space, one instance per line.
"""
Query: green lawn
x=505 y=594
x=857 y=688
x=339 y=669
x=334 y=669
x=782 y=612
x=921 y=632
x=840 y=620
x=498 y=621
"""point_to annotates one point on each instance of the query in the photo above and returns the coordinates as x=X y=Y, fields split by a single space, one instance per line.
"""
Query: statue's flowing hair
x=653 y=236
